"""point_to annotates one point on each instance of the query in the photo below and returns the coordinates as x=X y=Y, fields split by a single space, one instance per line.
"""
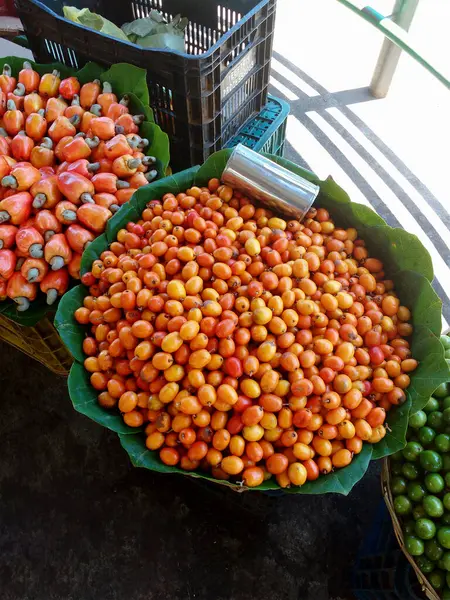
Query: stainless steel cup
x=270 y=184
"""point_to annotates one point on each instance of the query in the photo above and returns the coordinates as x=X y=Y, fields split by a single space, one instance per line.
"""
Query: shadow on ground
x=78 y=522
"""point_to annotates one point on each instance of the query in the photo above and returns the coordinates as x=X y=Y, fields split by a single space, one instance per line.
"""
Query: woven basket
x=41 y=342
x=427 y=588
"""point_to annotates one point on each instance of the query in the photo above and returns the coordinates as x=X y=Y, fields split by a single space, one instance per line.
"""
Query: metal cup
x=270 y=184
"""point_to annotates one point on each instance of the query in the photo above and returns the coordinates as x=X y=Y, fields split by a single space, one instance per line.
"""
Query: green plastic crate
x=267 y=131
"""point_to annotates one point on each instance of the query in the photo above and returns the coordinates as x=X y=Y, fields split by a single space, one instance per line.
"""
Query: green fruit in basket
x=446 y=415
x=435 y=420
x=446 y=501
x=431 y=405
x=445 y=403
x=396 y=468
x=437 y=579
x=445 y=341
x=433 y=506
x=441 y=391
x=402 y=505
x=414 y=545
x=412 y=450
x=397 y=456
x=419 y=512
x=446 y=561
x=445 y=462
x=447 y=353
x=443 y=537
x=434 y=483
x=430 y=461
x=418 y=420
x=433 y=550
x=445 y=519
x=410 y=471
x=442 y=442
x=426 y=435
x=398 y=486
x=409 y=527
x=424 y=564
x=425 y=529
x=416 y=491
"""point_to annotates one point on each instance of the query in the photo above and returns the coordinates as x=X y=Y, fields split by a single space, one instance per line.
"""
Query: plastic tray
x=265 y=132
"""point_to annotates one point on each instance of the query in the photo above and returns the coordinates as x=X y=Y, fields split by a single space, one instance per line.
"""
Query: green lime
x=434 y=483
x=435 y=420
x=430 y=461
x=414 y=545
x=424 y=564
x=442 y=442
x=441 y=391
x=433 y=506
x=446 y=500
x=412 y=450
x=445 y=403
x=432 y=404
x=402 y=505
x=437 y=579
x=398 y=486
x=445 y=594
x=396 y=468
x=443 y=537
x=445 y=341
x=445 y=519
x=445 y=462
x=398 y=456
x=415 y=491
x=410 y=471
x=419 y=512
x=409 y=527
x=418 y=420
x=433 y=550
x=425 y=529
x=446 y=561
x=447 y=353
x=426 y=435
x=446 y=415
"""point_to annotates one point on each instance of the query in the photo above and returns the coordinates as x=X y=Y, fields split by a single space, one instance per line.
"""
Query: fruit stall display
x=417 y=492
x=222 y=341
x=74 y=146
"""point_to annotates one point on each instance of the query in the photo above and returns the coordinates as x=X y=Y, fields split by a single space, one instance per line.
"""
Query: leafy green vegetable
x=412 y=269
x=94 y=21
x=70 y=331
x=125 y=79
x=396 y=426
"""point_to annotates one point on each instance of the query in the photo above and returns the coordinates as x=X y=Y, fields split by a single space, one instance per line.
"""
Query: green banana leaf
x=125 y=79
x=411 y=270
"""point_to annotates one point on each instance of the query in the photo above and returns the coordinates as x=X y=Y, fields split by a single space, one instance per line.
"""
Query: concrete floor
x=78 y=522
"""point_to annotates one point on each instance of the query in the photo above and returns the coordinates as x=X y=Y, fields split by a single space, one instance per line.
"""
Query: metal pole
x=403 y=14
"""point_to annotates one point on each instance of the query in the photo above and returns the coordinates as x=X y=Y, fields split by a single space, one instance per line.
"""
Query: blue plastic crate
x=381 y=571
x=267 y=131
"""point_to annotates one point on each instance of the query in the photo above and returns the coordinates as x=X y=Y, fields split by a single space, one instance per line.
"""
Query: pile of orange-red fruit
x=245 y=344
x=70 y=156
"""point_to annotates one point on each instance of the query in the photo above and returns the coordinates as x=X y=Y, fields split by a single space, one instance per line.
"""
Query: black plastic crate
x=266 y=131
x=200 y=99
